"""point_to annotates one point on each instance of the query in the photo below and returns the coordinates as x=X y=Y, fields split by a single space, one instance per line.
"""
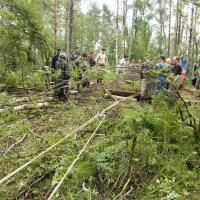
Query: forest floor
x=25 y=133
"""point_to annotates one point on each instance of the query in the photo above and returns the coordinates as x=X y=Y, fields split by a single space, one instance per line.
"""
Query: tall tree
x=117 y=33
x=132 y=28
x=55 y=21
x=195 y=40
x=190 y=37
x=161 y=24
x=124 y=24
x=69 y=28
x=170 y=24
x=176 y=27
x=179 y=28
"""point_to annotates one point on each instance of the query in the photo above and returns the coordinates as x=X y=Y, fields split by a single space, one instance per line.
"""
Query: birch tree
x=124 y=25
x=117 y=33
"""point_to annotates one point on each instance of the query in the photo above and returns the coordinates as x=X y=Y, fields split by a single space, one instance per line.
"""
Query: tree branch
x=13 y=145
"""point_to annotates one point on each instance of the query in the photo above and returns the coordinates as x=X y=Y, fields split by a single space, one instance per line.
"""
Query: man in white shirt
x=101 y=62
x=102 y=59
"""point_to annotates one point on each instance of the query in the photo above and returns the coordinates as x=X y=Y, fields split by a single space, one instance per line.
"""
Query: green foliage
x=29 y=77
x=10 y=78
x=163 y=147
x=22 y=33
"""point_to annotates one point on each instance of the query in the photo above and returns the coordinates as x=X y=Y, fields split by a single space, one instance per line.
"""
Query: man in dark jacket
x=176 y=67
x=196 y=74
x=61 y=88
x=55 y=58
x=177 y=72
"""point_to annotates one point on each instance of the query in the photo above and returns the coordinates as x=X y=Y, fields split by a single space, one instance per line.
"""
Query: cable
x=48 y=149
x=60 y=141
x=75 y=160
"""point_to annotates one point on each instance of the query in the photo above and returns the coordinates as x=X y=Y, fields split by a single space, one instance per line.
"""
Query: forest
x=99 y=99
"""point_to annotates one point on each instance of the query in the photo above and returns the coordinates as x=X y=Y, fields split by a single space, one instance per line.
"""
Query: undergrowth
x=141 y=152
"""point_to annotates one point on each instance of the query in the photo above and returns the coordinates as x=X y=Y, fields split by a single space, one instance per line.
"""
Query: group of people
x=155 y=76
x=151 y=82
x=81 y=63
x=93 y=59
x=175 y=67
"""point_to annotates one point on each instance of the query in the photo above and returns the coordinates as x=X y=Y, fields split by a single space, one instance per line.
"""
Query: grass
x=164 y=162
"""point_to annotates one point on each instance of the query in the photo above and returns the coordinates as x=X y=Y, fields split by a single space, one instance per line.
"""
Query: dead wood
x=34 y=134
x=15 y=144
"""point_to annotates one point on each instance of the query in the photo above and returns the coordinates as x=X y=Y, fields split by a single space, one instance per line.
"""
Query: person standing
x=177 y=71
x=164 y=69
x=55 y=58
x=183 y=63
x=101 y=62
x=101 y=59
x=61 y=90
x=196 y=74
x=176 y=67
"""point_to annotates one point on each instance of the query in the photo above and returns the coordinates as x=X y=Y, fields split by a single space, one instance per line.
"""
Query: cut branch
x=35 y=135
x=15 y=144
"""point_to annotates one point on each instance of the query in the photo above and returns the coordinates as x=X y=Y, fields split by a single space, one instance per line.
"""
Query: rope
x=60 y=141
x=42 y=153
x=75 y=160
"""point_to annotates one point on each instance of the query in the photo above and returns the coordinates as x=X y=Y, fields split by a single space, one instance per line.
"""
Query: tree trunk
x=160 y=41
x=176 y=28
x=187 y=25
x=195 y=43
x=70 y=18
x=180 y=27
x=55 y=22
x=132 y=29
x=190 y=38
x=117 y=34
x=125 y=9
x=1 y=18
x=170 y=25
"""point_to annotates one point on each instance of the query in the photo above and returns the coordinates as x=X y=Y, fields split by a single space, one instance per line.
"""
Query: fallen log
x=31 y=106
x=15 y=101
x=48 y=99
x=73 y=92
x=22 y=99
x=28 y=105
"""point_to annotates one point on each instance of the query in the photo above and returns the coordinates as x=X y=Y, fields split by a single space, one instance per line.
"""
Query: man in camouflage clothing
x=61 y=89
